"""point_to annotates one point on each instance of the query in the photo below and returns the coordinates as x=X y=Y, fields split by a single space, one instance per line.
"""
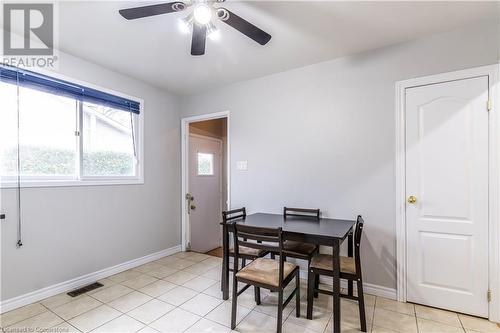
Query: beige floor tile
x=197 y=257
x=377 y=329
x=162 y=272
x=180 y=255
x=213 y=273
x=214 y=291
x=129 y=301
x=76 y=307
x=166 y=260
x=94 y=318
x=198 y=269
x=105 y=284
x=112 y=293
x=208 y=326
x=157 y=288
x=478 y=324
x=58 y=300
x=44 y=320
x=222 y=314
x=247 y=299
x=201 y=304
x=269 y=305
x=178 y=295
x=177 y=320
x=212 y=262
x=180 y=264
x=389 y=304
x=180 y=277
x=64 y=327
x=122 y=324
x=395 y=321
x=150 y=311
x=346 y=328
x=123 y=276
x=429 y=326
x=147 y=267
x=139 y=281
x=350 y=314
x=25 y=312
x=257 y=322
x=199 y=283
x=442 y=316
x=148 y=329
x=319 y=322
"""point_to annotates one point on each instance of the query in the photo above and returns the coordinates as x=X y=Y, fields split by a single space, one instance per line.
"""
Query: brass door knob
x=412 y=199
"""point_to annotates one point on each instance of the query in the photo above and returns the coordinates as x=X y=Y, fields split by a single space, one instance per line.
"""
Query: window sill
x=71 y=183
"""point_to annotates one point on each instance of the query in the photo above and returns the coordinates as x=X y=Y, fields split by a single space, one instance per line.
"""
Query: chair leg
x=243 y=263
x=316 y=285
x=280 y=311
x=361 y=303
x=310 y=293
x=297 y=295
x=349 y=287
x=234 y=303
x=257 y=294
x=273 y=256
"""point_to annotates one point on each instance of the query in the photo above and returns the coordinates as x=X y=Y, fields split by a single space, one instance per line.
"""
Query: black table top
x=324 y=228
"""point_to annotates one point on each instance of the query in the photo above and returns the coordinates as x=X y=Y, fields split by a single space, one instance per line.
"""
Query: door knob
x=412 y=199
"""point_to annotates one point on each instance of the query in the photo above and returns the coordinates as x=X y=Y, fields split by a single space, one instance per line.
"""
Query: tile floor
x=181 y=293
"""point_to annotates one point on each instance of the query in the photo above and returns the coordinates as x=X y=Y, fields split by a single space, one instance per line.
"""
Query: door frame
x=185 y=166
x=493 y=179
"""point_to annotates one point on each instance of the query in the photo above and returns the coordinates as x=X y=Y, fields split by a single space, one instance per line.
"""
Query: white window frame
x=79 y=179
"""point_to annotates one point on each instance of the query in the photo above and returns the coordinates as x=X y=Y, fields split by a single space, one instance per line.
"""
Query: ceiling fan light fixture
x=212 y=32
x=186 y=24
x=202 y=13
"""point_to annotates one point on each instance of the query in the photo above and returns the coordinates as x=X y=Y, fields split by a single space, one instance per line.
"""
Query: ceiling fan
x=200 y=20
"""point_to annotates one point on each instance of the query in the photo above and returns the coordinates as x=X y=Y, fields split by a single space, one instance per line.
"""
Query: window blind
x=56 y=86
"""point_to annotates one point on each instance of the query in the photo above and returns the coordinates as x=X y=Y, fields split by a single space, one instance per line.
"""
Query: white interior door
x=205 y=186
x=447 y=173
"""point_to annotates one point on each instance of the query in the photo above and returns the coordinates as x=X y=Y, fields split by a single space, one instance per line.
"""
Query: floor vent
x=85 y=289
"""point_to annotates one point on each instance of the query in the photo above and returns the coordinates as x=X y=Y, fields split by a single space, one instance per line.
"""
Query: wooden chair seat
x=265 y=271
x=325 y=262
x=248 y=251
x=293 y=248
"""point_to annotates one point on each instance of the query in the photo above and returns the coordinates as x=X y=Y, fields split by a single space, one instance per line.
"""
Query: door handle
x=190 y=206
x=412 y=199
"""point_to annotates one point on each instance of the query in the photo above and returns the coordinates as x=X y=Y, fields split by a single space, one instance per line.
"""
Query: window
x=79 y=137
x=205 y=164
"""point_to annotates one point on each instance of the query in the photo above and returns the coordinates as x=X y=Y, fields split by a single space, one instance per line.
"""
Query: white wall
x=72 y=231
x=323 y=135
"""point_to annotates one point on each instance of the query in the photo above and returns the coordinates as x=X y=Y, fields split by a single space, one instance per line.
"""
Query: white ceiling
x=155 y=51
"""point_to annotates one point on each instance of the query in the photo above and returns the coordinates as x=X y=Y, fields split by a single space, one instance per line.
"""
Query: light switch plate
x=242 y=165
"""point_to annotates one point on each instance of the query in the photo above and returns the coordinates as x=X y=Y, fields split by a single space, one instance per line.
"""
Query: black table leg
x=225 y=263
x=336 y=286
x=350 y=254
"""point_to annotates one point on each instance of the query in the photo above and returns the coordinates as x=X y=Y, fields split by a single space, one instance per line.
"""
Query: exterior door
x=205 y=188
x=447 y=195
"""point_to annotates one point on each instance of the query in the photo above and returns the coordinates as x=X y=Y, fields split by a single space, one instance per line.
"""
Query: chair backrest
x=302 y=212
x=252 y=237
x=235 y=214
x=357 y=238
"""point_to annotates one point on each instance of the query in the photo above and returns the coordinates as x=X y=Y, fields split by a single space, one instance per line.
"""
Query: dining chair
x=266 y=273
x=350 y=269
x=301 y=250
x=246 y=253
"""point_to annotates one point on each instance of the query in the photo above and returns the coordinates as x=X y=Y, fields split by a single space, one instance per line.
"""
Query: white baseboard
x=368 y=288
x=40 y=294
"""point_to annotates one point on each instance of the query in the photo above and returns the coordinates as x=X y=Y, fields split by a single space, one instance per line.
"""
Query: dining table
x=323 y=231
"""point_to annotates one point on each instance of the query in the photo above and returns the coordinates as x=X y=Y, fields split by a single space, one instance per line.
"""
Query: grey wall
x=72 y=231
x=323 y=135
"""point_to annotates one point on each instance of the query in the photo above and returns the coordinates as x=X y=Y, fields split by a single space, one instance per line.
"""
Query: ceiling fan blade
x=199 y=39
x=145 y=11
x=243 y=26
